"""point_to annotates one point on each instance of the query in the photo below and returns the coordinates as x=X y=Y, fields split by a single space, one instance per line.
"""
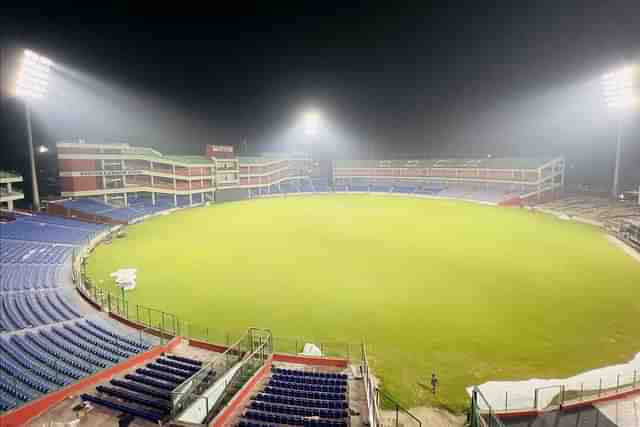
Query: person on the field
x=434 y=383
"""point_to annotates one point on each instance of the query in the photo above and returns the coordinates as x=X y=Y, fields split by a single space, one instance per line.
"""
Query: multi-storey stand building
x=8 y=192
x=494 y=180
x=119 y=173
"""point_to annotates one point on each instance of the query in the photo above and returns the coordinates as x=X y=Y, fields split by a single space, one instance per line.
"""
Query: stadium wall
x=231 y=195
x=59 y=210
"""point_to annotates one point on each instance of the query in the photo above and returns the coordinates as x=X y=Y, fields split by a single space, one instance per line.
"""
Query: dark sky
x=448 y=78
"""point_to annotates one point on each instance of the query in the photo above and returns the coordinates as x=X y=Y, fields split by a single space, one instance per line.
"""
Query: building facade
x=117 y=174
x=496 y=180
x=9 y=192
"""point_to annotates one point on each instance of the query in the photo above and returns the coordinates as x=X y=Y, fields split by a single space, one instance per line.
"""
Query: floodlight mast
x=618 y=95
x=32 y=83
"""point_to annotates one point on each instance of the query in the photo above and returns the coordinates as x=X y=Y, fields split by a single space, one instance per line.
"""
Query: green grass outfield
x=472 y=292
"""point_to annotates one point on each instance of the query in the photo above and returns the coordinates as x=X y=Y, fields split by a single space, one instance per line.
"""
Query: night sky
x=509 y=78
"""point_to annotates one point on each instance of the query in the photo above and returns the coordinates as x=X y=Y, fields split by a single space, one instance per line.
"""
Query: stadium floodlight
x=312 y=122
x=619 y=97
x=33 y=77
x=32 y=85
x=618 y=89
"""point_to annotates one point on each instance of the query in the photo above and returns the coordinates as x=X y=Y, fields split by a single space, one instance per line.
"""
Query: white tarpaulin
x=311 y=350
x=521 y=394
x=125 y=278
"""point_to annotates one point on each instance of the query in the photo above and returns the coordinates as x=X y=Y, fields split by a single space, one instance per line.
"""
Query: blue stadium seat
x=149 y=415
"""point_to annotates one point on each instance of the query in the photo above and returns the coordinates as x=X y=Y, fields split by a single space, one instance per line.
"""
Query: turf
x=470 y=292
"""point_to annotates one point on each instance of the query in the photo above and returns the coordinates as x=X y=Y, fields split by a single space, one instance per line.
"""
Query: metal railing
x=481 y=413
x=228 y=371
x=370 y=389
x=385 y=400
x=193 y=387
x=167 y=325
x=556 y=395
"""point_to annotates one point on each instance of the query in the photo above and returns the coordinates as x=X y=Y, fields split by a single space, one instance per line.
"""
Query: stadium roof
x=486 y=163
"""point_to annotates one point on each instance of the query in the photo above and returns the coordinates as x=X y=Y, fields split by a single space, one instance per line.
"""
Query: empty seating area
x=46 y=228
x=380 y=187
x=14 y=251
x=598 y=208
x=138 y=206
x=22 y=310
x=25 y=277
x=300 y=398
x=431 y=189
x=306 y=187
x=88 y=205
x=63 y=222
x=45 y=342
x=405 y=188
x=289 y=187
x=39 y=361
x=320 y=185
x=147 y=392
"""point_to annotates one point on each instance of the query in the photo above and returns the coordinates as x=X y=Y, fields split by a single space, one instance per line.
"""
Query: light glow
x=33 y=77
x=312 y=122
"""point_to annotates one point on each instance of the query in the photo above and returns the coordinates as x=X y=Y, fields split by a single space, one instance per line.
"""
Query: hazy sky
x=448 y=78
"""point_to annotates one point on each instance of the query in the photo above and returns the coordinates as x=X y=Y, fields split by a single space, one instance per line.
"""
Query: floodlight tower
x=618 y=95
x=31 y=86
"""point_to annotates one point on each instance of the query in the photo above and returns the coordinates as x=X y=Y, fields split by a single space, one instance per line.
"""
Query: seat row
x=149 y=415
x=297 y=401
x=24 y=277
x=334 y=382
x=307 y=423
x=301 y=411
x=37 y=362
x=147 y=392
x=19 y=252
x=293 y=420
x=42 y=218
x=29 y=230
x=137 y=207
x=303 y=394
x=296 y=372
x=185 y=360
x=33 y=308
x=307 y=387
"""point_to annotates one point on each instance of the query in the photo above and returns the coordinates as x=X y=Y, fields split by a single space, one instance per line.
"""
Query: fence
x=260 y=350
x=167 y=325
x=193 y=388
x=385 y=400
x=548 y=395
x=378 y=399
x=370 y=389
x=227 y=371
